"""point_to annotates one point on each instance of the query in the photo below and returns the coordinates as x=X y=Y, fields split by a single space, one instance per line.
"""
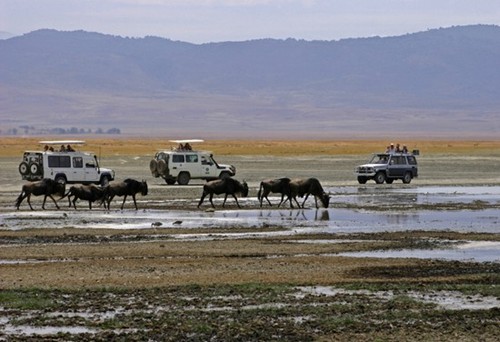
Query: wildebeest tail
x=260 y=191
x=19 y=199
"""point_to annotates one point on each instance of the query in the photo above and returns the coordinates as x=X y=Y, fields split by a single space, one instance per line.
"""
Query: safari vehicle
x=182 y=163
x=387 y=167
x=64 y=166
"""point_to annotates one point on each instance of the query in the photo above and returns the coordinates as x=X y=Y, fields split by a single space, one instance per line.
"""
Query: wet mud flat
x=170 y=271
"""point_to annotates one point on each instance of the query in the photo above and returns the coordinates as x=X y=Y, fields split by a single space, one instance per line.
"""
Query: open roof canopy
x=187 y=141
x=62 y=142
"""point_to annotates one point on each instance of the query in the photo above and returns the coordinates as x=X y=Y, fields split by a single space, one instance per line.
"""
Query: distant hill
x=442 y=82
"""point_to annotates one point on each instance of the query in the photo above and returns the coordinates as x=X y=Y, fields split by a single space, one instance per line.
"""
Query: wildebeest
x=128 y=187
x=308 y=186
x=227 y=186
x=89 y=193
x=278 y=185
x=46 y=187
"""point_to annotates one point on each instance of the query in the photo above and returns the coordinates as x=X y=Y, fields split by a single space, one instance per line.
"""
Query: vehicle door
x=91 y=172
x=176 y=165
x=397 y=166
x=78 y=173
x=208 y=167
x=412 y=163
x=193 y=165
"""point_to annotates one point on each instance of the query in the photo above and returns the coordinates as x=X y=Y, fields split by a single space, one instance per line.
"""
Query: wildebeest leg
x=202 y=198
x=133 y=197
x=211 y=198
x=298 y=204
x=316 y=201
x=90 y=205
x=282 y=198
x=74 y=202
x=28 y=199
x=266 y=193
x=123 y=203
x=305 y=199
x=110 y=198
x=224 y=203
x=236 y=199
x=21 y=198
x=53 y=200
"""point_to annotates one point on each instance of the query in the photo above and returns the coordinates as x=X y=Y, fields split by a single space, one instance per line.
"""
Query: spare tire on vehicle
x=35 y=169
x=162 y=166
x=153 y=165
x=24 y=168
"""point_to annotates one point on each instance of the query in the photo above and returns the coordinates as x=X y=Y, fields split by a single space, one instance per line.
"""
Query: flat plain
x=223 y=281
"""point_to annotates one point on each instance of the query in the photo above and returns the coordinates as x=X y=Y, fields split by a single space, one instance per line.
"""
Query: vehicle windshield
x=379 y=159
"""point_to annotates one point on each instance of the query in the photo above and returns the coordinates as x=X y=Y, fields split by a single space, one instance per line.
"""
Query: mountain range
x=438 y=83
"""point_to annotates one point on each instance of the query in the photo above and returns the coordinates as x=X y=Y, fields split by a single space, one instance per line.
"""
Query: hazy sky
x=200 y=21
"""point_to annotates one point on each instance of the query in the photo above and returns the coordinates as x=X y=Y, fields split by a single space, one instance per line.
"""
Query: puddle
x=326 y=220
x=448 y=300
x=27 y=330
x=476 y=251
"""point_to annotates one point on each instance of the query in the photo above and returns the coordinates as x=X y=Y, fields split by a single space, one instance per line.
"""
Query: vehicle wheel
x=407 y=178
x=389 y=180
x=170 y=181
x=380 y=177
x=362 y=180
x=61 y=179
x=153 y=165
x=34 y=169
x=104 y=181
x=224 y=175
x=183 y=178
x=161 y=167
x=24 y=168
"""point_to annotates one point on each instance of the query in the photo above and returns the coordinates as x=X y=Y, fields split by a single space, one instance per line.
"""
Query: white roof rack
x=185 y=141
x=62 y=142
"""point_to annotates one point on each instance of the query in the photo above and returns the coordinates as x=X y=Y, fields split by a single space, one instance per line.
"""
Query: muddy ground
x=171 y=271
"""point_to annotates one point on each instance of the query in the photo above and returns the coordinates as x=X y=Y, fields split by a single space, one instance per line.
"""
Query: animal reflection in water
x=226 y=186
x=297 y=215
x=46 y=187
x=129 y=187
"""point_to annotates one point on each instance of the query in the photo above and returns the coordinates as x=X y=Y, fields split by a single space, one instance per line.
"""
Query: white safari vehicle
x=64 y=165
x=183 y=163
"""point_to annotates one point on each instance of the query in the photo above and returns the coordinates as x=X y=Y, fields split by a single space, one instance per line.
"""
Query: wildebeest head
x=325 y=199
x=58 y=188
x=144 y=188
x=244 y=189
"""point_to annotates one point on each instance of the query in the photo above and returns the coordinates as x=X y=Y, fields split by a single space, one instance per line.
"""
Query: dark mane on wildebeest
x=89 y=193
x=128 y=187
x=46 y=187
x=308 y=186
x=278 y=185
x=227 y=186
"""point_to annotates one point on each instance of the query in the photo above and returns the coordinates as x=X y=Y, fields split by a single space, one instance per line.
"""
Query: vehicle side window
x=78 y=162
x=178 y=158
x=192 y=158
x=412 y=160
x=59 y=161
x=400 y=160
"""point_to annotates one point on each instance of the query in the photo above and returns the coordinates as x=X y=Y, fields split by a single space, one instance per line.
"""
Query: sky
x=203 y=21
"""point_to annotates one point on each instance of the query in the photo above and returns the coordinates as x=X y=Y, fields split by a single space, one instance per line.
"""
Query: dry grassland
x=11 y=147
